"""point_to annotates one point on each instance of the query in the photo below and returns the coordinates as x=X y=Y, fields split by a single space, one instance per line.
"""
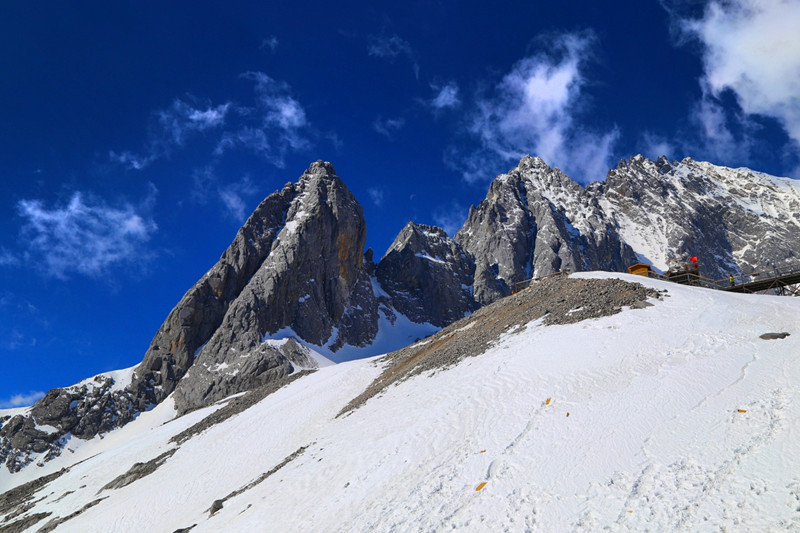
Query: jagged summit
x=428 y=275
x=536 y=220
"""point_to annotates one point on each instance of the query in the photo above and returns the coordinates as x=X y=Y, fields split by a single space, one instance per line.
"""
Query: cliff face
x=312 y=280
x=428 y=276
x=534 y=221
x=736 y=221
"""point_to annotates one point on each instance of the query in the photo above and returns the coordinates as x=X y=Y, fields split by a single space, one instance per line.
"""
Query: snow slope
x=673 y=417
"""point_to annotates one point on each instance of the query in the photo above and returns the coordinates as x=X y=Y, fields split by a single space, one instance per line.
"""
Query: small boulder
x=773 y=336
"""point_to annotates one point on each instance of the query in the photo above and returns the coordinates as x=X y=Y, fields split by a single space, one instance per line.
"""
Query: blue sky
x=137 y=136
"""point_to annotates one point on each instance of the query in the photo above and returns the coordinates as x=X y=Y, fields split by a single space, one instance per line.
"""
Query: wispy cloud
x=172 y=128
x=388 y=126
x=752 y=49
x=391 y=47
x=716 y=137
x=276 y=125
x=21 y=400
x=270 y=43
x=85 y=236
x=16 y=339
x=182 y=120
x=7 y=258
x=446 y=97
x=231 y=197
x=652 y=145
x=536 y=110
x=376 y=195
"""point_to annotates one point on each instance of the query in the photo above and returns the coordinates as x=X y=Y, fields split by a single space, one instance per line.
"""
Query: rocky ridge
x=295 y=277
x=428 y=275
x=736 y=221
x=535 y=220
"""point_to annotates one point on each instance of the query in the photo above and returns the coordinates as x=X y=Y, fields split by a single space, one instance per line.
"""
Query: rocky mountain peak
x=534 y=221
x=310 y=284
x=427 y=275
x=320 y=168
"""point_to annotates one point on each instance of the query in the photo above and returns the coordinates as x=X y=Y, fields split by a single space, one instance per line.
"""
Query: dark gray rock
x=311 y=279
x=535 y=221
x=81 y=411
x=138 y=471
x=200 y=312
x=774 y=336
x=428 y=276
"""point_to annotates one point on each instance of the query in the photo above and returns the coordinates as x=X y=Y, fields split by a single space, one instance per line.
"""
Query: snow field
x=676 y=417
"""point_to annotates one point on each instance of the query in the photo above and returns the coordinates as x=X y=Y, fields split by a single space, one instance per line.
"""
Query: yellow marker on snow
x=479 y=487
x=742 y=410
x=548 y=401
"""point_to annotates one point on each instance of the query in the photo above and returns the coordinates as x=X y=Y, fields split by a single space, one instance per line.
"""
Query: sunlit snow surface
x=673 y=417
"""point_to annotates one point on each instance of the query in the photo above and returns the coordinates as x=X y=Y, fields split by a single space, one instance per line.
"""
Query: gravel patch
x=138 y=471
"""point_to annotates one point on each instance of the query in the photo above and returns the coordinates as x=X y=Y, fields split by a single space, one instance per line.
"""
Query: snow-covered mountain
x=535 y=220
x=579 y=404
x=295 y=290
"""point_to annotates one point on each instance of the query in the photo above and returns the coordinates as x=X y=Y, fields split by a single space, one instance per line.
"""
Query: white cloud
x=392 y=46
x=716 y=139
x=653 y=146
x=376 y=195
x=7 y=258
x=388 y=126
x=21 y=400
x=752 y=48
x=233 y=197
x=535 y=110
x=182 y=120
x=274 y=127
x=85 y=236
x=446 y=97
x=16 y=340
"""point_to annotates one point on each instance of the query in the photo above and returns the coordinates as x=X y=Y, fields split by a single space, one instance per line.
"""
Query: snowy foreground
x=673 y=417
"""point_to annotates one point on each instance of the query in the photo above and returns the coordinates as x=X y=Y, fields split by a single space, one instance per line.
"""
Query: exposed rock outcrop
x=83 y=410
x=428 y=276
x=534 y=221
x=311 y=280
